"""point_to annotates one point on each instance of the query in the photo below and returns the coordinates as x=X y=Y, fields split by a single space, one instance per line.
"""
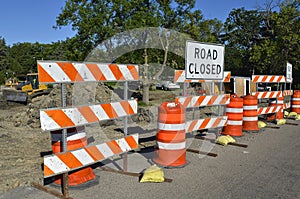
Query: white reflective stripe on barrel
x=295 y=106
x=172 y=127
x=234 y=110
x=56 y=137
x=295 y=99
x=233 y=122
x=248 y=108
x=250 y=119
x=171 y=146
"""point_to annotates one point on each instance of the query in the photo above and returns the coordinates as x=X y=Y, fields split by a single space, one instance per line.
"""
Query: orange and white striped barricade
x=76 y=138
x=63 y=119
x=274 y=108
x=75 y=159
x=170 y=137
x=296 y=102
x=53 y=119
x=250 y=115
x=202 y=101
x=234 y=113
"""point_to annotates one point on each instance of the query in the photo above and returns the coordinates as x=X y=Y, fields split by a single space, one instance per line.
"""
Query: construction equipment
x=25 y=91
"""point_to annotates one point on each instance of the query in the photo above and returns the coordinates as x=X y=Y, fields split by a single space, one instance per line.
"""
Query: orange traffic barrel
x=234 y=113
x=250 y=115
x=296 y=101
x=76 y=138
x=276 y=103
x=170 y=137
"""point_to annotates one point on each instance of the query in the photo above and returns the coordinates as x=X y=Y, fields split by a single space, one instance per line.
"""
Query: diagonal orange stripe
x=178 y=73
x=212 y=100
x=88 y=114
x=217 y=122
x=60 y=118
x=264 y=78
x=192 y=126
x=131 y=142
x=272 y=78
x=43 y=75
x=204 y=123
x=255 y=79
x=200 y=100
x=94 y=152
x=116 y=71
x=70 y=71
x=227 y=78
x=97 y=73
x=134 y=72
x=114 y=146
x=109 y=110
x=126 y=106
x=70 y=160
x=187 y=101
x=47 y=171
x=225 y=98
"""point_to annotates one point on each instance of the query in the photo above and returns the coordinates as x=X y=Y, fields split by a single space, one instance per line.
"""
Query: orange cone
x=170 y=137
x=234 y=113
x=76 y=138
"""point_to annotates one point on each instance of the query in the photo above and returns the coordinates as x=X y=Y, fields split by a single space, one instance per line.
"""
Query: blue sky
x=32 y=20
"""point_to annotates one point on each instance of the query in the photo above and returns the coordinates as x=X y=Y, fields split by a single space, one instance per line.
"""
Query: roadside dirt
x=22 y=142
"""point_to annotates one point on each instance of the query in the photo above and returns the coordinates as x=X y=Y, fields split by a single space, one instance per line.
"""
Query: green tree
x=242 y=30
x=282 y=41
x=97 y=21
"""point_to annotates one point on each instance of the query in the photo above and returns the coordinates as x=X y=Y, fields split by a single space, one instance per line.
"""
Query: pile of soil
x=23 y=144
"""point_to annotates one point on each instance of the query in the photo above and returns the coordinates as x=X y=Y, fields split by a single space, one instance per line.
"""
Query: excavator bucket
x=15 y=95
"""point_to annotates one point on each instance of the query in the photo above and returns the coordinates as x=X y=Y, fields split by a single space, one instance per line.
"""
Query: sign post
x=204 y=61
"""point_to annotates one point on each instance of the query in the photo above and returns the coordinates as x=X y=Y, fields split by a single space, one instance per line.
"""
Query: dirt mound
x=77 y=94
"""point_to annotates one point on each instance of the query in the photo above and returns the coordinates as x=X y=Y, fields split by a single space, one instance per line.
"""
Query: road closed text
x=204 y=61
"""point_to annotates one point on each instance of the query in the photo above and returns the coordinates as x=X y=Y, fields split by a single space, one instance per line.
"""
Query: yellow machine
x=27 y=90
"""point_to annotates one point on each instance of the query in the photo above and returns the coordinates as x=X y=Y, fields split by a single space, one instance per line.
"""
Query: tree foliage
x=262 y=41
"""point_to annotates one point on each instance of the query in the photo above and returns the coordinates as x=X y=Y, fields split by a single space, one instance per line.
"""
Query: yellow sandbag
x=281 y=121
x=286 y=113
x=292 y=114
x=297 y=117
x=153 y=174
x=222 y=140
x=230 y=139
x=261 y=124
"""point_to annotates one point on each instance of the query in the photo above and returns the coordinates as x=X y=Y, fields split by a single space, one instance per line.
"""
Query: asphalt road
x=268 y=168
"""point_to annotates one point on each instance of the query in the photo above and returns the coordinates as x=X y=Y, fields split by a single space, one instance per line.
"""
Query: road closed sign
x=204 y=61
x=289 y=72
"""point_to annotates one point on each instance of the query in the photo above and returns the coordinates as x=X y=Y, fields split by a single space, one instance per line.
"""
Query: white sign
x=289 y=72
x=204 y=61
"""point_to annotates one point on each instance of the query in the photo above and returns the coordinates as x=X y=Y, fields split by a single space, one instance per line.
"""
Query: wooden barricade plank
x=267 y=94
x=71 y=160
x=180 y=77
x=203 y=100
x=68 y=72
x=268 y=78
x=206 y=123
x=53 y=119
